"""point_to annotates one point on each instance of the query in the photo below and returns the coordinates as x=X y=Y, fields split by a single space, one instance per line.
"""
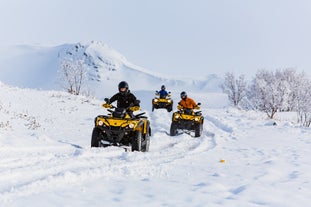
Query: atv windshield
x=119 y=113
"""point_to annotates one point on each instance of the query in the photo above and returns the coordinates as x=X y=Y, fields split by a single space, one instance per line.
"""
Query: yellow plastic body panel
x=181 y=116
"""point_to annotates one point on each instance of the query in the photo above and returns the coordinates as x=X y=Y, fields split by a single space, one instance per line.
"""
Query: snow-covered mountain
x=38 y=67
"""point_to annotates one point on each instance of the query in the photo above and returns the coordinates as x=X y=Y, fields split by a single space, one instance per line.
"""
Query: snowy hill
x=37 y=67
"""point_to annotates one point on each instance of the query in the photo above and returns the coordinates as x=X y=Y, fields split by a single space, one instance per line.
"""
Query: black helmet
x=183 y=95
x=123 y=84
x=163 y=87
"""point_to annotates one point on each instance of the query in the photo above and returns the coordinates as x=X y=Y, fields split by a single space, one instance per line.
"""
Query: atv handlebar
x=158 y=95
x=108 y=106
x=133 y=107
x=181 y=108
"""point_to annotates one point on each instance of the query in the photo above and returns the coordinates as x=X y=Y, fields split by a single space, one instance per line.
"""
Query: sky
x=179 y=37
x=45 y=153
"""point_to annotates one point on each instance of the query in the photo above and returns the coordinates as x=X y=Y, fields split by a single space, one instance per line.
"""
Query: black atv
x=162 y=102
x=122 y=128
x=187 y=119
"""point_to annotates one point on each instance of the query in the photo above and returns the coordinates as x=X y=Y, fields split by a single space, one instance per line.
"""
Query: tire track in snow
x=35 y=170
x=193 y=145
x=71 y=167
x=218 y=124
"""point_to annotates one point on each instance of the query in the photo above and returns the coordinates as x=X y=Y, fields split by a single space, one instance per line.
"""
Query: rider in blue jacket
x=163 y=93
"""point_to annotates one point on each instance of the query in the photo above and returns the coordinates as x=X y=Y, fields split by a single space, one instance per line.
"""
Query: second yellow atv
x=162 y=102
x=187 y=119
x=122 y=128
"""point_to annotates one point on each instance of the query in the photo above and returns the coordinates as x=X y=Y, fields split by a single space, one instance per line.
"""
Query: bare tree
x=234 y=88
x=73 y=75
x=264 y=92
x=303 y=100
x=282 y=90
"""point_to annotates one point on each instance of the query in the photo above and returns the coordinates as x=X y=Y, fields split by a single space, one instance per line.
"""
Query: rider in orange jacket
x=187 y=103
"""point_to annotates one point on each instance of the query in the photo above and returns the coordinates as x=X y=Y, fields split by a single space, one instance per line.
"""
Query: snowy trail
x=161 y=120
x=32 y=169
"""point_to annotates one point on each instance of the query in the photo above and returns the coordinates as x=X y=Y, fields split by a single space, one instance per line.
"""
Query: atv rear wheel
x=173 y=130
x=96 y=137
x=136 y=142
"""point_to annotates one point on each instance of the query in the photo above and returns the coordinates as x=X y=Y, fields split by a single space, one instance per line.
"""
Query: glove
x=134 y=108
x=179 y=107
x=197 y=107
x=106 y=105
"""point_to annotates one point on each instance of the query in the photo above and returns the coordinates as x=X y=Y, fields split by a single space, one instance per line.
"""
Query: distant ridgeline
x=39 y=67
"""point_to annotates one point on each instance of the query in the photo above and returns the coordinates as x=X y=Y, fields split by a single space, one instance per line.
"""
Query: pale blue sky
x=191 y=37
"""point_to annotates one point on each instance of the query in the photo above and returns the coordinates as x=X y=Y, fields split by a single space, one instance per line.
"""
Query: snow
x=241 y=159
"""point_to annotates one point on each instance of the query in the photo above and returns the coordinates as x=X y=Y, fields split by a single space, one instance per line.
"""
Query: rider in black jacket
x=124 y=98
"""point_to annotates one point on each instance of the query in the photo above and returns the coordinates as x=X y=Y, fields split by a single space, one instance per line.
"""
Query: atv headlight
x=169 y=101
x=100 y=123
x=196 y=119
x=131 y=125
x=156 y=100
x=177 y=117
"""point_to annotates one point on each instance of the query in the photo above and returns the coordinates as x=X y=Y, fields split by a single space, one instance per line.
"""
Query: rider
x=163 y=93
x=124 y=98
x=186 y=103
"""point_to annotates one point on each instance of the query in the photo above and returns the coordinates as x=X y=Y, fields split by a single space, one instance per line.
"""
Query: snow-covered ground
x=46 y=158
x=241 y=159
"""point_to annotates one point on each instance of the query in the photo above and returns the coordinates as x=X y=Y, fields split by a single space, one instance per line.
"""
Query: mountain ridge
x=38 y=67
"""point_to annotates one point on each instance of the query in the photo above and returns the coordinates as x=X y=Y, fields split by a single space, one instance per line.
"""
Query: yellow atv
x=162 y=102
x=122 y=128
x=187 y=120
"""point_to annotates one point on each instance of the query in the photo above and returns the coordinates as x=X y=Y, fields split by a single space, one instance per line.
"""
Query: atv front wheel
x=145 y=146
x=169 y=109
x=136 y=142
x=96 y=137
x=198 y=130
x=173 y=130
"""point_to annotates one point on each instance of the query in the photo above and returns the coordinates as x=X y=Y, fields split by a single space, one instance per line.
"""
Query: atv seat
x=119 y=113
